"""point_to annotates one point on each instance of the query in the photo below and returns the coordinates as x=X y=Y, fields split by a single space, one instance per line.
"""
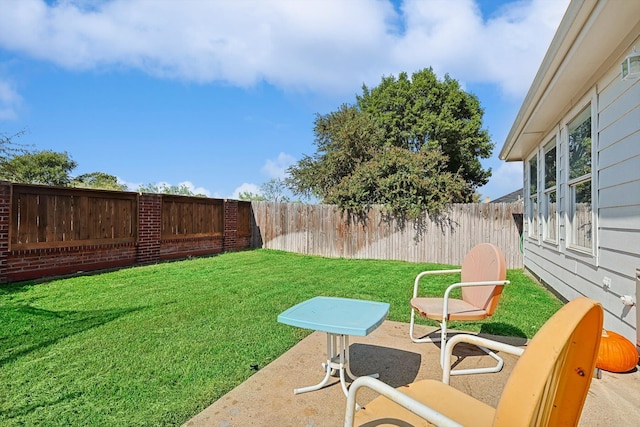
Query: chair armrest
x=445 y=306
x=430 y=273
x=476 y=340
x=401 y=399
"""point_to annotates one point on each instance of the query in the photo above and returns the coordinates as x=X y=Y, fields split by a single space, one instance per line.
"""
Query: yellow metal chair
x=482 y=276
x=547 y=387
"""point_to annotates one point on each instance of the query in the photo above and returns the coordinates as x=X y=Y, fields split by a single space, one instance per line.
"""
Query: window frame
x=572 y=183
x=550 y=229
x=533 y=210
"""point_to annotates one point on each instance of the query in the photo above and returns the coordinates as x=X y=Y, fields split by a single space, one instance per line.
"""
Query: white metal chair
x=483 y=275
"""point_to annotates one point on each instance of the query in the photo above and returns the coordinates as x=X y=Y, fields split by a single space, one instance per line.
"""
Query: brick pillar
x=149 y=228
x=5 y=209
x=230 y=240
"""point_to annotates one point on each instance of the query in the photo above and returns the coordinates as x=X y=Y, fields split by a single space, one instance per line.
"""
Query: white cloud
x=329 y=45
x=194 y=189
x=10 y=101
x=505 y=49
x=506 y=178
x=243 y=188
x=131 y=186
x=276 y=169
x=508 y=175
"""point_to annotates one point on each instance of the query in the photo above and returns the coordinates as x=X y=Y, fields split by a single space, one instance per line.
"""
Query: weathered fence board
x=323 y=230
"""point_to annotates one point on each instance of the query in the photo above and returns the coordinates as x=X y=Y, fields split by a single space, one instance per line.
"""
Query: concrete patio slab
x=267 y=399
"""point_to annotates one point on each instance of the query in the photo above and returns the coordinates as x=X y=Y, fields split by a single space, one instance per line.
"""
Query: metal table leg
x=337 y=360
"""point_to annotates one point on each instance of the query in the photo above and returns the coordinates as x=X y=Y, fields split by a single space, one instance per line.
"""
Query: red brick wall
x=37 y=263
x=243 y=241
x=230 y=226
x=5 y=210
x=16 y=265
x=183 y=248
x=149 y=228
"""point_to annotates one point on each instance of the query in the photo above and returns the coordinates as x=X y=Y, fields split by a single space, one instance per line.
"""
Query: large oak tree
x=409 y=144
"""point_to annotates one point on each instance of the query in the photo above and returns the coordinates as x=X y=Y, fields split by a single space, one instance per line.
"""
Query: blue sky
x=221 y=95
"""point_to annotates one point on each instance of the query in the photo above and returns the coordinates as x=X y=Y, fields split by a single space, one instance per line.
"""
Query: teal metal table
x=339 y=318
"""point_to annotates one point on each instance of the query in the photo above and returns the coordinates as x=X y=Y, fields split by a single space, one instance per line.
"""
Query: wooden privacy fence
x=48 y=231
x=48 y=217
x=323 y=230
x=192 y=216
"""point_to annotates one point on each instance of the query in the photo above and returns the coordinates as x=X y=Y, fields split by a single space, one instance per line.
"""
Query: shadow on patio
x=267 y=399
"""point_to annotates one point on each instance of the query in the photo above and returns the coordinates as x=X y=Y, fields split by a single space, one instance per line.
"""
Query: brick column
x=149 y=228
x=230 y=240
x=5 y=209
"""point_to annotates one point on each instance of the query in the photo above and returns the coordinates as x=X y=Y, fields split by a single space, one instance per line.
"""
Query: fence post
x=149 y=228
x=5 y=209
x=230 y=239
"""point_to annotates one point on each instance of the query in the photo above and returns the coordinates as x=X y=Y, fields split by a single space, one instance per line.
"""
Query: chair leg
x=443 y=341
x=411 y=331
x=489 y=370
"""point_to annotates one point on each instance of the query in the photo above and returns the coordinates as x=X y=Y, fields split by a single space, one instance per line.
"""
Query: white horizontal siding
x=610 y=88
x=621 y=241
x=622 y=263
x=627 y=194
x=619 y=151
x=572 y=278
x=616 y=175
x=625 y=171
x=625 y=218
x=624 y=103
x=617 y=165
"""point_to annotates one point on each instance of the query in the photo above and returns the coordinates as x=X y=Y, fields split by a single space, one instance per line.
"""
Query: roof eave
x=567 y=67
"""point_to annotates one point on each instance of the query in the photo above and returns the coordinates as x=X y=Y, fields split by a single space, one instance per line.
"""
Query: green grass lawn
x=155 y=345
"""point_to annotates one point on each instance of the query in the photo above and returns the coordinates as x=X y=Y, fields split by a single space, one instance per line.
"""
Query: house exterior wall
x=608 y=271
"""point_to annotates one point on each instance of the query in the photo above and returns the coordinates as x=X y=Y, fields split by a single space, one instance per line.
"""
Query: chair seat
x=445 y=399
x=431 y=308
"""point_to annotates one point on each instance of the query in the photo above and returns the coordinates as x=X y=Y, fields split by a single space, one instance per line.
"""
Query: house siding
x=616 y=201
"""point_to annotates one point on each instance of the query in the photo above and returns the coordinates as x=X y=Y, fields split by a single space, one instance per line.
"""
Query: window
x=532 y=212
x=580 y=199
x=550 y=214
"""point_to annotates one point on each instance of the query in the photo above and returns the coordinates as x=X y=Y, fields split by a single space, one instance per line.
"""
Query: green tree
x=423 y=112
x=345 y=139
x=275 y=190
x=407 y=183
x=40 y=167
x=8 y=147
x=355 y=167
x=250 y=196
x=98 y=180
x=180 y=190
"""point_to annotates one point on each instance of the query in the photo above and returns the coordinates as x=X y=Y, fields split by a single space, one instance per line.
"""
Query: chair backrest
x=482 y=263
x=550 y=381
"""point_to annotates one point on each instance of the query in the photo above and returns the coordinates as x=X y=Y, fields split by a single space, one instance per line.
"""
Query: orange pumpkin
x=616 y=353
